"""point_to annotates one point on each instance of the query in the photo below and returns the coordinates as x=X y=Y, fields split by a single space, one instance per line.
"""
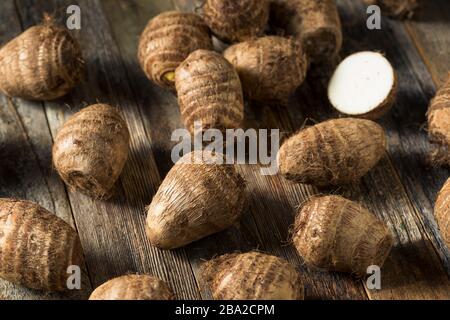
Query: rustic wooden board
x=401 y=190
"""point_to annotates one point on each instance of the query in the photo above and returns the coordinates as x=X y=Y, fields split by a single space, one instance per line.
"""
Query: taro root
x=42 y=63
x=442 y=212
x=315 y=23
x=197 y=198
x=252 y=276
x=364 y=85
x=396 y=8
x=91 y=149
x=270 y=68
x=167 y=40
x=439 y=124
x=336 y=234
x=333 y=152
x=36 y=247
x=235 y=21
x=133 y=287
x=209 y=90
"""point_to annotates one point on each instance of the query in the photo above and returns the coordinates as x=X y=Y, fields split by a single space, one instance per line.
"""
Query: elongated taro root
x=91 y=149
x=167 y=40
x=442 y=212
x=252 y=276
x=209 y=90
x=336 y=234
x=42 y=63
x=235 y=21
x=197 y=198
x=439 y=124
x=315 y=23
x=133 y=287
x=396 y=8
x=36 y=247
x=370 y=79
x=333 y=152
x=270 y=68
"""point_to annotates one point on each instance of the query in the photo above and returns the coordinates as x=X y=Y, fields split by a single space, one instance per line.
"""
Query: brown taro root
x=333 y=152
x=133 y=287
x=315 y=23
x=42 y=63
x=235 y=21
x=252 y=276
x=396 y=8
x=270 y=68
x=91 y=149
x=439 y=124
x=167 y=40
x=209 y=90
x=36 y=247
x=197 y=198
x=336 y=234
x=442 y=212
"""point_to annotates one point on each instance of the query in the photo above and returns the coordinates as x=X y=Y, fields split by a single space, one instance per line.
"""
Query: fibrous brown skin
x=91 y=149
x=36 y=247
x=133 y=287
x=43 y=63
x=333 y=152
x=315 y=23
x=439 y=124
x=252 y=276
x=396 y=8
x=336 y=234
x=442 y=212
x=235 y=21
x=270 y=68
x=209 y=90
x=167 y=40
x=195 y=200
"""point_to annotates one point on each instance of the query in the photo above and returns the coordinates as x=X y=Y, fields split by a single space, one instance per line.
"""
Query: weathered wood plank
x=112 y=232
x=161 y=112
x=430 y=32
x=25 y=163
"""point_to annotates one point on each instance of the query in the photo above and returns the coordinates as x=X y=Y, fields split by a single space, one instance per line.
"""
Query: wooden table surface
x=401 y=189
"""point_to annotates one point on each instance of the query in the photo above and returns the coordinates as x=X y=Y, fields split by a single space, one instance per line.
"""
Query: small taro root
x=91 y=149
x=209 y=90
x=167 y=40
x=396 y=8
x=235 y=21
x=364 y=85
x=333 y=152
x=195 y=200
x=336 y=234
x=270 y=68
x=442 y=212
x=36 y=247
x=252 y=276
x=42 y=63
x=439 y=124
x=315 y=23
x=133 y=287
